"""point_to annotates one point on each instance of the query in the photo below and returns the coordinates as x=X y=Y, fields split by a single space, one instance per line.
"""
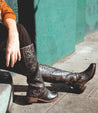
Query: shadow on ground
x=55 y=87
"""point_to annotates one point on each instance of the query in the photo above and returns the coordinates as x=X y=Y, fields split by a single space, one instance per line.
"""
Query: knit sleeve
x=6 y=11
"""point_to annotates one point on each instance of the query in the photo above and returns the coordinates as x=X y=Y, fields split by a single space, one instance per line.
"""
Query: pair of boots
x=36 y=72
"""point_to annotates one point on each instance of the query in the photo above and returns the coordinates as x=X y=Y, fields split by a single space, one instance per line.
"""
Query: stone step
x=6 y=91
x=6 y=97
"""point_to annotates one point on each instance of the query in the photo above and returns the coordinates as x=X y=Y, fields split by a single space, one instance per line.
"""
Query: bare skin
x=12 y=46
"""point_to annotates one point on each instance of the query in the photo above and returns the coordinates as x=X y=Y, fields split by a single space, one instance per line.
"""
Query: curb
x=6 y=91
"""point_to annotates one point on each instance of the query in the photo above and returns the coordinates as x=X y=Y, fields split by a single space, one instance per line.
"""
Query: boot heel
x=79 y=89
x=31 y=100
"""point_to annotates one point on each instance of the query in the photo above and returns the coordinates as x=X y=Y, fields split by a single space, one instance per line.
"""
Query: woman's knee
x=20 y=26
x=23 y=35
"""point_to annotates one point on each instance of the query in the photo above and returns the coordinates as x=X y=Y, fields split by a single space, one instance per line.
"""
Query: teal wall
x=80 y=29
x=55 y=29
x=58 y=25
x=91 y=16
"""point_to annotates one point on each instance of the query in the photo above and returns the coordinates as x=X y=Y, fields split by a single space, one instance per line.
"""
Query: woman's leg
x=29 y=67
x=75 y=80
x=51 y=74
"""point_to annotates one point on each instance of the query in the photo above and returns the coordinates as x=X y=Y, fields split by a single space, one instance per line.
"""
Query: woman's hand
x=12 y=48
x=12 y=45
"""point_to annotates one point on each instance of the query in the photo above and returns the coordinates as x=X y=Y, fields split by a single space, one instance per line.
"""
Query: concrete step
x=6 y=97
x=6 y=91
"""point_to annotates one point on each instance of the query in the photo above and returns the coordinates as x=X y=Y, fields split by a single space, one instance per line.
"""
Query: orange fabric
x=6 y=11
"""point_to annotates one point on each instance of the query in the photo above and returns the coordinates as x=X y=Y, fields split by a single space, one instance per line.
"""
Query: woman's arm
x=12 y=46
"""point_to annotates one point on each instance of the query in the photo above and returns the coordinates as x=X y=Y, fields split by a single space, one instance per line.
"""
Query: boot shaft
x=29 y=66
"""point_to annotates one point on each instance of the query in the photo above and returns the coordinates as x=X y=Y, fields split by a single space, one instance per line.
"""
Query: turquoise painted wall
x=55 y=29
x=81 y=16
x=59 y=25
x=91 y=16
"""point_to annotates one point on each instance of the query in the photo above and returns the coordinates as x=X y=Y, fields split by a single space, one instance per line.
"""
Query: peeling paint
x=91 y=16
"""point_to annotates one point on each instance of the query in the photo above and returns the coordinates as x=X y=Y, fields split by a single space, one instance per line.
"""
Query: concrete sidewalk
x=68 y=102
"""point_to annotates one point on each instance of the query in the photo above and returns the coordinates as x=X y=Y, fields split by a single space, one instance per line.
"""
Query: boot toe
x=90 y=71
x=48 y=96
x=93 y=69
x=88 y=74
x=51 y=95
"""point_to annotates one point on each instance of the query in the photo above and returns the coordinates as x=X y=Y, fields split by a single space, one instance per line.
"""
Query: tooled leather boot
x=36 y=88
x=76 y=80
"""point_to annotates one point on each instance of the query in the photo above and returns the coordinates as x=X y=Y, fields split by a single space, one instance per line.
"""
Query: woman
x=17 y=54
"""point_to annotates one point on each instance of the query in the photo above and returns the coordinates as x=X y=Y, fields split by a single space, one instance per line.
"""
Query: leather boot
x=36 y=88
x=75 y=80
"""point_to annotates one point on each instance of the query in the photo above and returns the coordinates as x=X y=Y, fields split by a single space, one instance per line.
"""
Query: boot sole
x=31 y=100
x=79 y=89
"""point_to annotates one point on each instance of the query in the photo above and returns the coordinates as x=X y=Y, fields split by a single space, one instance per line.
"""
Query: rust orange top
x=6 y=11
